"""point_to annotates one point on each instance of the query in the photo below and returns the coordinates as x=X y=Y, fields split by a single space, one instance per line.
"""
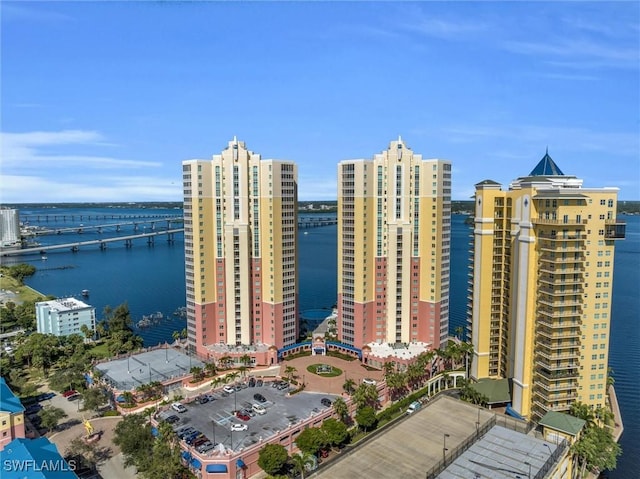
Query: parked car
x=242 y=385
x=68 y=393
x=185 y=432
x=172 y=419
x=259 y=397
x=200 y=440
x=248 y=412
x=326 y=402
x=241 y=415
x=283 y=385
x=176 y=406
x=259 y=409
x=252 y=382
x=369 y=381
x=229 y=389
x=259 y=383
x=74 y=397
x=202 y=400
x=239 y=427
x=275 y=384
x=193 y=438
x=413 y=407
x=205 y=447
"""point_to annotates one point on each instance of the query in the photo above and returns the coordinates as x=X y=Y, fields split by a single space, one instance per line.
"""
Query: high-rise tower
x=394 y=219
x=240 y=216
x=541 y=286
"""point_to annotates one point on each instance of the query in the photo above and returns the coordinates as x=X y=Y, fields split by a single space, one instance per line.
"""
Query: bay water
x=151 y=279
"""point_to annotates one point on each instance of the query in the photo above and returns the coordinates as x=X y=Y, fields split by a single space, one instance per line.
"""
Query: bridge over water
x=101 y=243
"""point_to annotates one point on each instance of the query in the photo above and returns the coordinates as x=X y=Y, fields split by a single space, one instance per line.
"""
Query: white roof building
x=62 y=317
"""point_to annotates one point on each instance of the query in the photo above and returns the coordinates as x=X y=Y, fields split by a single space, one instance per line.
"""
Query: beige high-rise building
x=240 y=216
x=541 y=287
x=394 y=233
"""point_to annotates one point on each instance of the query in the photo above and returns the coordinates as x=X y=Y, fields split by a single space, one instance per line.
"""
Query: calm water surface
x=151 y=279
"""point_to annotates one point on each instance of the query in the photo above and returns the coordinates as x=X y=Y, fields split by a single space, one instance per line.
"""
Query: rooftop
x=503 y=454
x=546 y=167
x=160 y=365
x=34 y=459
x=497 y=390
x=403 y=351
x=9 y=402
x=64 y=304
x=562 y=422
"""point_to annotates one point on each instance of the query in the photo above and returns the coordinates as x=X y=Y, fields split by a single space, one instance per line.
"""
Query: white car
x=369 y=381
x=259 y=409
x=176 y=406
x=239 y=427
x=229 y=389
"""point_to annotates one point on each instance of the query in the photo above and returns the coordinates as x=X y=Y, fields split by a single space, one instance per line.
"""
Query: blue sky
x=103 y=101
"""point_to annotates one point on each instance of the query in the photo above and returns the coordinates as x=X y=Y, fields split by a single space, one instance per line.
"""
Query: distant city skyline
x=102 y=101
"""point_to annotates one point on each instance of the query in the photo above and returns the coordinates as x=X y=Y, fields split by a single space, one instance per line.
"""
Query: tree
x=245 y=359
x=86 y=331
x=133 y=435
x=165 y=459
x=289 y=371
x=93 y=398
x=341 y=409
x=210 y=369
x=335 y=432
x=311 y=440
x=389 y=368
x=197 y=373
x=397 y=382
x=301 y=462
x=366 y=394
x=272 y=457
x=21 y=271
x=366 y=417
x=596 y=450
x=583 y=411
x=51 y=416
x=349 y=386
x=120 y=330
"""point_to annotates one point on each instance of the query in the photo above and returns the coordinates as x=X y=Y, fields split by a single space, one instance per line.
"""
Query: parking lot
x=215 y=418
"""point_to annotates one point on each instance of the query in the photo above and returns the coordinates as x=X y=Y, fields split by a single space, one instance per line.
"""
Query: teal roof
x=34 y=459
x=8 y=401
x=562 y=422
x=546 y=167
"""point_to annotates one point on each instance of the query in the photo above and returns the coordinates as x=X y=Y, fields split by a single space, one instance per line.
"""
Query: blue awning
x=154 y=432
x=240 y=463
x=186 y=455
x=216 y=468
x=195 y=463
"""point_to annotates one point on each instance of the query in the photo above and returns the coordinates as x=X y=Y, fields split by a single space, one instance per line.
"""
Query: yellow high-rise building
x=240 y=216
x=394 y=231
x=541 y=287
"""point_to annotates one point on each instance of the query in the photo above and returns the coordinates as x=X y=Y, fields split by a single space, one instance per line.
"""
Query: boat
x=85 y=292
x=44 y=258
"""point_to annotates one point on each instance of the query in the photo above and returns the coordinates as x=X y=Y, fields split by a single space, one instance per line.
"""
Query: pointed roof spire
x=546 y=167
x=399 y=139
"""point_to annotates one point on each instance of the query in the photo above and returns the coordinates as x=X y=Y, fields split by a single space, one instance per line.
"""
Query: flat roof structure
x=160 y=365
x=562 y=422
x=64 y=304
x=497 y=391
x=504 y=454
x=414 y=445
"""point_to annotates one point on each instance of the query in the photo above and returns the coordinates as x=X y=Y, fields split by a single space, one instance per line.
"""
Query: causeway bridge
x=43 y=231
x=101 y=243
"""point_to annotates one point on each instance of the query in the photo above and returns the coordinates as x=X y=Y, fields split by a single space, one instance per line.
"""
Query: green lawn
x=100 y=350
x=334 y=372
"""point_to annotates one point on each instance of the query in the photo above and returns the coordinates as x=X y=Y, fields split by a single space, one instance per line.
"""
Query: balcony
x=552 y=387
x=557 y=356
x=576 y=291
x=559 y=281
x=546 y=375
x=546 y=221
x=563 y=366
x=560 y=314
x=615 y=229
x=558 y=335
x=554 y=303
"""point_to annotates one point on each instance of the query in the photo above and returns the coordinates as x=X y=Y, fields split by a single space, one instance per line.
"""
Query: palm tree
x=300 y=462
x=176 y=335
x=225 y=362
x=389 y=368
x=341 y=409
x=365 y=395
x=349 y=386
x=289 y=371
x=396 y=383
x=243 y=370
x=217 y=382
x=245 y=359
x=232 y=376
x=197 y=373
x=210 y=369
x=184 y=334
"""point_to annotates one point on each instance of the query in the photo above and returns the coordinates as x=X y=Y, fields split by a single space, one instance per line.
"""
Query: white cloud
x=32 y=150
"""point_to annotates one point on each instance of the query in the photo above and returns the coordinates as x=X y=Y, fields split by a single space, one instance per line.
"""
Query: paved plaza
x=350 y=370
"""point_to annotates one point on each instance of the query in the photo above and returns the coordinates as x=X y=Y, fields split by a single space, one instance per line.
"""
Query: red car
x=242 y=416
x=71 y=392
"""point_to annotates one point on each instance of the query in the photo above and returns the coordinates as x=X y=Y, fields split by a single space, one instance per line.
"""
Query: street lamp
x=444 y=448
x=478 y=422
x=213 y=427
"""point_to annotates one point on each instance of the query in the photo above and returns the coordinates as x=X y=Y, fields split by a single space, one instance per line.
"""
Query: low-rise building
x=11 y=415
x=65 y=316
x=34 y=459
